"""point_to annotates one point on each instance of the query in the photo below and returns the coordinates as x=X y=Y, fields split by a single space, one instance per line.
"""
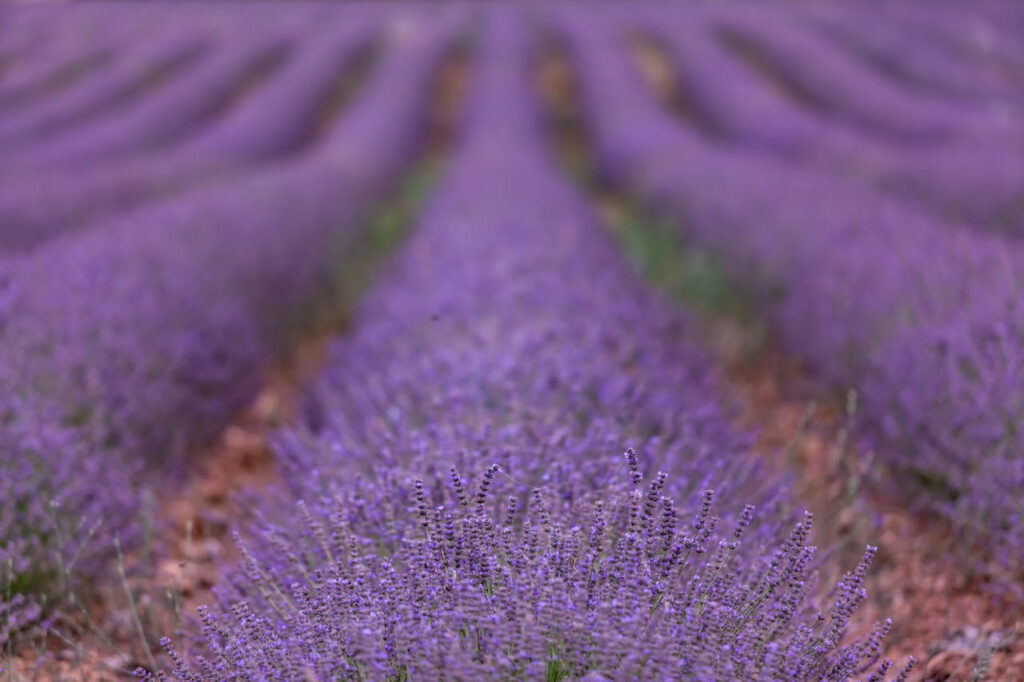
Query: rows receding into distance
x=183 y=195
x=977 y=179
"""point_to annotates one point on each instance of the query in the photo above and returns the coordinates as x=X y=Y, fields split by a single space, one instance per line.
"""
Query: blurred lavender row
x=467 y=512
x=283 y=116
x=128 y=344
x=50 y=49
x=923 y=318
x=784 y=83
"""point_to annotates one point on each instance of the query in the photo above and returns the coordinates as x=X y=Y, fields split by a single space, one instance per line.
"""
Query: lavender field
x=512 y=341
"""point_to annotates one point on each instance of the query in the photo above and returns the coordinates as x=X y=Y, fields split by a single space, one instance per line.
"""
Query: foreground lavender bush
x=511 y=340
x=925 y=319
x=132 y=343
x=616 y=586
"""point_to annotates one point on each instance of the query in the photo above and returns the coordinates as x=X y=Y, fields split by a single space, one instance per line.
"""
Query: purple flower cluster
x=616 y=587
x=923 y=318
x=510 y=342
x=129 y=343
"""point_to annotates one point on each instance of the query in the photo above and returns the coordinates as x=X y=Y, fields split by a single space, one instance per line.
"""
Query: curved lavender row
x=917 y=58
x=283 y=113
x=20 y=39
x=975 y=183
x=144 y=336
x=979 y=183
x=925 y=320
x=984 y=36
x=64 y=40
x=123 y=81
x=190 y=249
x=510 y=331
x=733 y=102
x=52 y=47
x=47 y=73
x=165 y=115
x=141 y=66
x=276 y=119
x=835 y=83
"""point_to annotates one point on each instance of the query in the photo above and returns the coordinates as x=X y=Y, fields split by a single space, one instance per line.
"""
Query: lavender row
x=919 y=59
x=125 y=80
x=978 y=181
x=830 y=80
x=57 y=54
x=280 y=118
x=40 y=74
x=130 y=40
x=974 y=182
x=129 y=343
x=985 y=32
x=42 y=50
x=465 y=515
x=164 y=116
x=923 y=319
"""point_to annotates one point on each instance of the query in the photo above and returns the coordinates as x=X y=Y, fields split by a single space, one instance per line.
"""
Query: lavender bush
x=51 y=51
x=510 y=341
x=633 y=594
